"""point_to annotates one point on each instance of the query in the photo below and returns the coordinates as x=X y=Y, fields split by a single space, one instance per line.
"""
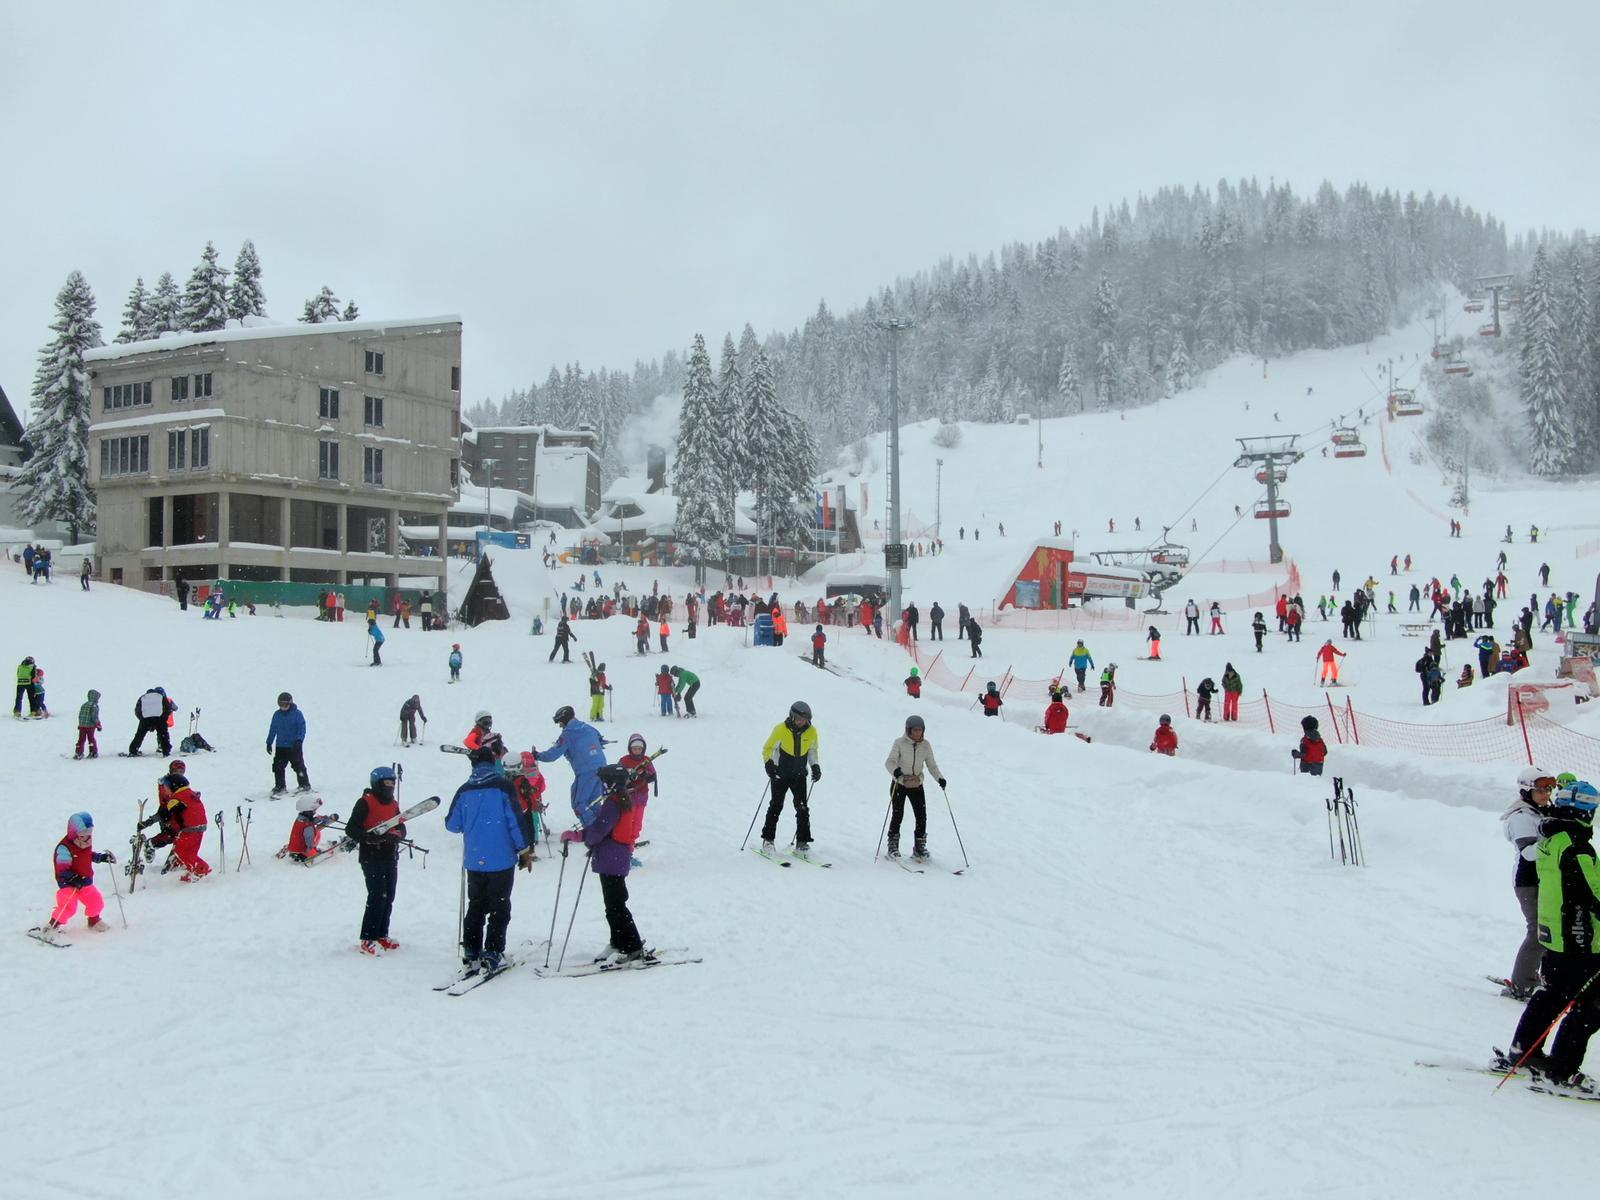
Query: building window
x=372 y=466
x=327 y=460
x=373 y=414
x=202 y=386
x=328 y=404
x=180 y=388
x=374 y=362
x=177 y=443
x=455 y=379
x=125 y=456
x=200 y=447
x=127 y=395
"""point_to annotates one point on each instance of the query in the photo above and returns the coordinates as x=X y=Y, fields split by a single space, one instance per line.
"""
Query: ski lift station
x=1050 y=578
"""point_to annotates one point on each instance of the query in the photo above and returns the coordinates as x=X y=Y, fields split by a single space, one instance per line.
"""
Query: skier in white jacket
x=1520 y=823
x=910 y=760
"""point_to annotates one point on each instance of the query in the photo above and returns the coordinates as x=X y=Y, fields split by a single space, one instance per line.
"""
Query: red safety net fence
x=1524 y=736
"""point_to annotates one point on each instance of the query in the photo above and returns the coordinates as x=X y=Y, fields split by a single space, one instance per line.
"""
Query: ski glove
x=897 y=772
x=572 y=835
x=816 y=772
x=105 y=856
x=772 y=769
x=941 y=785
x=269 y=747
x=73 y=880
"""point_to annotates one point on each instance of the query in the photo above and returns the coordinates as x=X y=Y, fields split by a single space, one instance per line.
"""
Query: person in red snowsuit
x=641 y=779
x=1055 y=717
x=819 y=642
x=1166 y=739
x=185 y=819
x=1312 y=751
x=914 y=684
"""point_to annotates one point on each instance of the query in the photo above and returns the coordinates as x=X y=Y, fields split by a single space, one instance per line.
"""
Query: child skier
x=481 y=732
x=455 y=663
x=1206 y=690
x=819 y=642
x=41 y=709
x=184 y=820
x=1312 y=751
x=376 y=634
x=410 y=712
x=666 y=632
x=641 y=636
x=612 y=830
x=914 y=684
x=664 y=691
x=1154 y=638
x=1329 y=656
x=642 y=783
x=910 y=760
x=306 y=832
x=598 y=687
x=88 y=724
x=1166 y=738
x=1082 y=662
x=991 y=701
x=1258 y=627
x=379 y=855
x=1055 y=717
x=1108 y=685
x=75 y=857
x=530 y=785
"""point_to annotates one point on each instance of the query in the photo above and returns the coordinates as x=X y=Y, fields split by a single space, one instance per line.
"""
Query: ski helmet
x=1579 y=801
x=177 y=767
x=636 y=739
x=283 y=697
x=601 y=667
x=915 y=722
x=79 y=824
x=380 y=775
x=1166 y=720
x=455 y=645
x=1531 y=779
x=1308 y=723
x=914 y=671
x=483 y=715
x=1566 y=779
x=800 y=709
x=993 y=686
x=563 y=714
x=308 y=803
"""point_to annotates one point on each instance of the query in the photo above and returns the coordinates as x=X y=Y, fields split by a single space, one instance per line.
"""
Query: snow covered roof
x=255 y=332
x=502 y=501
x=564 y=476
x=547 y=431
x=10 y=424
x=656 y=512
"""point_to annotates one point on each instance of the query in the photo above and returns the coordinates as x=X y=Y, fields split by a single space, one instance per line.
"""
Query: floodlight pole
x=488 y=494
x=894 y=552
x=938 y=498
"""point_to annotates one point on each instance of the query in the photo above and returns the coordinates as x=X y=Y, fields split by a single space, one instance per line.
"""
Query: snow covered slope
x=1152 y=982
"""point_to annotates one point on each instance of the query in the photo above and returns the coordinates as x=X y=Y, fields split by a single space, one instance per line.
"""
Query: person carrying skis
x=455 y=662
x=410 y=711
x=610 y=833
x=1520 y=825
x=1166 y=738
x=1081 y=661
x=1569 y=899
x=88 y=725
x=1232 y=689
x=288 y=733
x=819 y=643
x=1108 y=686
x=1312 y=751
x=152 y=710
x=529 y=783
x=1203 y=694
x=1055 y=717
x=305 y=835
x=1328 y=655
x=991 y=700
x=581 y=745
x=910 y=761
x=1154 y=638
x=598 y=687
x=1191 y=618
x=787 y=754
x=75 y=858
x=914 y=684
x=482 y=730
x=664 y=684
x=379 y=855
x=688 y=684
x=564 y=635
x=496 y=838
x=1258 y=627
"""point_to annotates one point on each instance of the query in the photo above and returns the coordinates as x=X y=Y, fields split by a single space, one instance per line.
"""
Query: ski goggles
x=1545 y=783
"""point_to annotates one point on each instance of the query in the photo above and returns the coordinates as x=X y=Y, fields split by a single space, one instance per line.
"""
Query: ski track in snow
x=1152 y=982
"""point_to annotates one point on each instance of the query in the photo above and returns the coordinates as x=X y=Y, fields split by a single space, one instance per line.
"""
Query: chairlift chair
x=1350 y=450
x=1278 y=475
x=1346 y=435
x=1267 y=508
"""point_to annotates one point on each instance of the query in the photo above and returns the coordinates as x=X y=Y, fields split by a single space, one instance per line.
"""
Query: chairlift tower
x=894 y=553
x=1271 y=454
x=1494 y=285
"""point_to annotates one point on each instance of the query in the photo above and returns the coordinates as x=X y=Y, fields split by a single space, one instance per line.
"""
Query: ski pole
x=1539 y=1041
x=117 y=892
x=964 y=863
x=461 y=909
x=244 y=825
x=755 y=814
x=222 y=841
x=1329 y=803
x=577 y=900
x=554 y=908
x=887 y=810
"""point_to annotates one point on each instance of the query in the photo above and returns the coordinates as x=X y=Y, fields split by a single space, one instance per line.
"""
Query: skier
x=1191 y=617
x=936 y=623
x=914 y=684
x=1232 y=688
x=1328 y=655
x=1520 y=824
x=910 y=759
x=598 y=687
x=610 y=834
x=1216 y=617
x=963 y=619
x=88 y=725
x=25 y=688
x=688 y=684
x=664 y=684
x=1154 y=638
x=642 y=774
x=288 y=733
x=1166 y=738
x=582 y=746
x=184 y=818
x=75 y=858
x=482 y=730
x=1055 y=717
x=641 y=636
x=1432 y=677
x=455 y=662
x=305 y=835
x=496 y=838
x=819 y=642
x=991 y=701
x=564 y=635
x=152 y=710
x=1569 y=895
x=1108 y=686
x=1312 y=751
x=1203 y=693
x=1258 y=627
x=665 y=631
x=1081 y=661
x=379 y=856
x=376 y=634
x=787 y=754
x=410 y=711
x=974 y=638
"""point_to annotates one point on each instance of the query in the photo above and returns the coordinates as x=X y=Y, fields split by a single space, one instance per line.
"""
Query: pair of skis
x=464 y=983
x=790 y=858
x=349 y=843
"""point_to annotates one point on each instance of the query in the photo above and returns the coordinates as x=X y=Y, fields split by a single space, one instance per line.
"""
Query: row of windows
x=371 y=463
x=189 y=449
x=201 y=386
x=124 y=456
x=127 y=395
x=371 y=408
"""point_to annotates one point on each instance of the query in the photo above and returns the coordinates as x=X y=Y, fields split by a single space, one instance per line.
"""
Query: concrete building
x=277 y=452
x=559 y=468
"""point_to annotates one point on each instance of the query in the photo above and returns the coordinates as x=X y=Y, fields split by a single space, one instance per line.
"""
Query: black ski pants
x=1193 y=626
x=782 y=788
x=382 y=871
x=488 y=912
x=408 y=729
x=624 y=933
x=1202 y=708
x=919 y=812
x=936 y=630
x=688 y=698
x=1562 y=977
x=286 y=756
x=155 y=725
x=561 y=647
x=1080 y=672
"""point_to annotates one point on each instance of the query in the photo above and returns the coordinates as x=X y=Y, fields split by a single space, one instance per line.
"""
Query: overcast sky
x=600 y=181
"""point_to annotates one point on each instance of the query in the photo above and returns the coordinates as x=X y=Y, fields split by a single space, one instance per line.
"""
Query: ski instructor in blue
x=581 y=745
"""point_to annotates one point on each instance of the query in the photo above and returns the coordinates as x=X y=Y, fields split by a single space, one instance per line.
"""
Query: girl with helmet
x=1520 y=824
x=306 y=832
x=75 y=857
x=643 y=782
x=914 y=684
x=379 y=855
x=991 y=701
x=910 y=760
x=1166 y=738
x=482 y=730
x=789 y=751
x=455 y=663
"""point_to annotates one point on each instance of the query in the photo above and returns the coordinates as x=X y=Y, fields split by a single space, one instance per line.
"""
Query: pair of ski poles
x=893 y=786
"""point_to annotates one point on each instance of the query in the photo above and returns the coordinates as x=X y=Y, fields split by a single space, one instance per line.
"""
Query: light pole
x=938 y=499
x=894 y=553
x=488 y=465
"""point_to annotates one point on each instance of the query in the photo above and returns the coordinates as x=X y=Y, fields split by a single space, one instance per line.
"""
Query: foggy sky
x=601 y=181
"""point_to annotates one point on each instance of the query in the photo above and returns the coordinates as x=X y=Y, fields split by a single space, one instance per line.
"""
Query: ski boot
x=490 y=961
x=99 y=925
x=919 y=850
x=606 y=955
x=643 y=956
x=388 y=943
x=802 y=849
x=768 y=847
x=368 y=947
x=894 y=848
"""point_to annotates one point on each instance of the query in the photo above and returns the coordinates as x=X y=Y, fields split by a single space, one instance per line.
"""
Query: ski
x=136 y=855
x=348 y=843
x=38 y=934
x=270 y=797
x=798 y=856
x=771 y=858
x=84 y=757
x=903 y=865
x=1531 y=1083
x=478 y=978
x=452 y=748
x=609 y=968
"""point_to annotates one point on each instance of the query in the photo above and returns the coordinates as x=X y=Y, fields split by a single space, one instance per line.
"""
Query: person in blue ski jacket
x=582 y=746
x=1081 y=660
x=286 y=737
x=497 y=838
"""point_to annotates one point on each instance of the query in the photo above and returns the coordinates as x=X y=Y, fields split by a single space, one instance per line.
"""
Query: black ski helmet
x=283 y=697
x=1309 y=724
x=800 y=709
x=1165 y=719
x=993 y=686
x=915 y=722
x=563 y=714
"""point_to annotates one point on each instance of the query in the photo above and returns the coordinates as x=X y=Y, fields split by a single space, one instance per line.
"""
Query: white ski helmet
x=1531 y=778
x=308 y=803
